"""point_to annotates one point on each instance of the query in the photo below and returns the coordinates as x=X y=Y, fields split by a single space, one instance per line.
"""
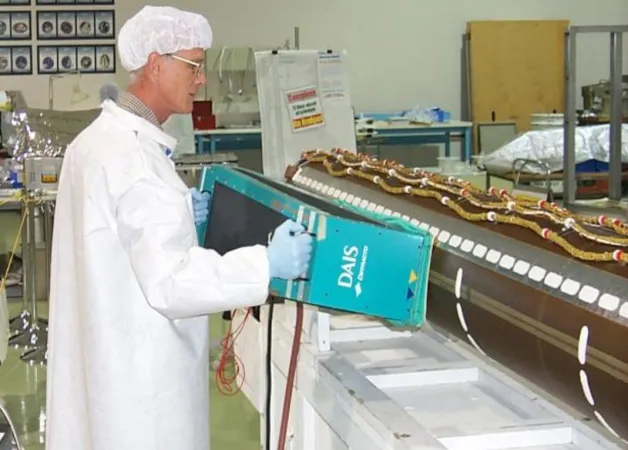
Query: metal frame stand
x=569 y=155
x=35 y=336
x=39 y=355
x=22 y=321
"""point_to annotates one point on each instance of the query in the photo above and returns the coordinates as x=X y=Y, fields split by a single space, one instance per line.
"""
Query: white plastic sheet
x=305 y=103
x=547 y=146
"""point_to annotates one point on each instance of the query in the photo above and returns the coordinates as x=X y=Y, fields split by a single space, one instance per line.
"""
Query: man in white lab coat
x=131 y=288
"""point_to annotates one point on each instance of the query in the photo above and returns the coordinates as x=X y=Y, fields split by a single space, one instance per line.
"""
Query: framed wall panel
x=70 y=58
x=16 y=60
x=105 y=59
x=105 y=24
x=47 y=59
x=46 y=25
x=75 y=25
x=68 y=2
x=15 y=25
x=4 y=3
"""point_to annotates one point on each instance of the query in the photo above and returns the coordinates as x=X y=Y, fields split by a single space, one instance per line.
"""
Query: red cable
x=292 y=369
x=231 y=383
x=225 y=383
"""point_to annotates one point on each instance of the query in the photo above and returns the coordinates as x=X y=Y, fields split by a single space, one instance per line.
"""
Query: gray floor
x=234 y=421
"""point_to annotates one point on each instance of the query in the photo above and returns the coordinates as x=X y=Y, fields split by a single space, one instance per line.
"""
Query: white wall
x=402 y=52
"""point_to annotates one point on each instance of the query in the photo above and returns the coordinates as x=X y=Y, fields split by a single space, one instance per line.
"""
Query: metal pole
x=297 y=38
x=37 y=350
x=38 y=353
x=569 y=140
x=32 y=252
x=614 y=188
x=467 y=58
x=23 y=321
x=48 y=217
x=34 y=337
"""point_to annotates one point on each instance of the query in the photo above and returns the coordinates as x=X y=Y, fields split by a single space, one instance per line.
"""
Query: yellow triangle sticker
x=413 y=277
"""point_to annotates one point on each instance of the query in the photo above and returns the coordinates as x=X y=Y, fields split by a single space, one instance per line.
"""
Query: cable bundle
x=230 y=374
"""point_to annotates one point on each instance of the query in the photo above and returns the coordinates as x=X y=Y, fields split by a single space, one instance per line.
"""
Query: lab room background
x=401 y=52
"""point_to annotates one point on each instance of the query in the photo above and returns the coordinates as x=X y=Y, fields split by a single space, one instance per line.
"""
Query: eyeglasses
x=197 y=65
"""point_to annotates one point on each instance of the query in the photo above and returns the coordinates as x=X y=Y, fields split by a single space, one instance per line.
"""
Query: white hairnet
x=161 y=29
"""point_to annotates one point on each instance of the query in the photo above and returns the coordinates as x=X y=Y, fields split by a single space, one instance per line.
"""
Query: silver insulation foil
x=30 y=132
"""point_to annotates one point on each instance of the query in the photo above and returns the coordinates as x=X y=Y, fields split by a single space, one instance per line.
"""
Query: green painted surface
x=234 y=421
x=9 y=227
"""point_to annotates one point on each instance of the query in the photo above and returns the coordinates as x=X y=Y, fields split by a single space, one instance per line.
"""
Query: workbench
x=377 y=133
x=228 y=139
x=362 y=385
x=390 y=132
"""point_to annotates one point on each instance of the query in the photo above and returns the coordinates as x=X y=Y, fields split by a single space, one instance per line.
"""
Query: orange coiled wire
x=230 y=374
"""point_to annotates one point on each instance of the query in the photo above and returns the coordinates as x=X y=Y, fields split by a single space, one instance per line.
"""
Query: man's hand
x=200 y=205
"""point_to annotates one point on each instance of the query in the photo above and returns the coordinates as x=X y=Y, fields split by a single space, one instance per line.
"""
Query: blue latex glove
x=289 y=251
x=200 y=205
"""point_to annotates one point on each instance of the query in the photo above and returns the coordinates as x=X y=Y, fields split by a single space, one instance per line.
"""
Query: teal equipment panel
x=362 y=263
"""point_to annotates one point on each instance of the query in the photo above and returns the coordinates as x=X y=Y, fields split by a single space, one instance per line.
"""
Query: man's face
x=182 y=75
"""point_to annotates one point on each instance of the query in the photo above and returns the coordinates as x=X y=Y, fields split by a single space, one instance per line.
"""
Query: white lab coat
x=130 y=291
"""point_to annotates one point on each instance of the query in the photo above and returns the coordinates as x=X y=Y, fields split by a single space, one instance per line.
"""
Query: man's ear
x=153 y=65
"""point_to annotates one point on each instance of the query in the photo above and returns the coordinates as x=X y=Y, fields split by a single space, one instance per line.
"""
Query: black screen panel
x=237 y=221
